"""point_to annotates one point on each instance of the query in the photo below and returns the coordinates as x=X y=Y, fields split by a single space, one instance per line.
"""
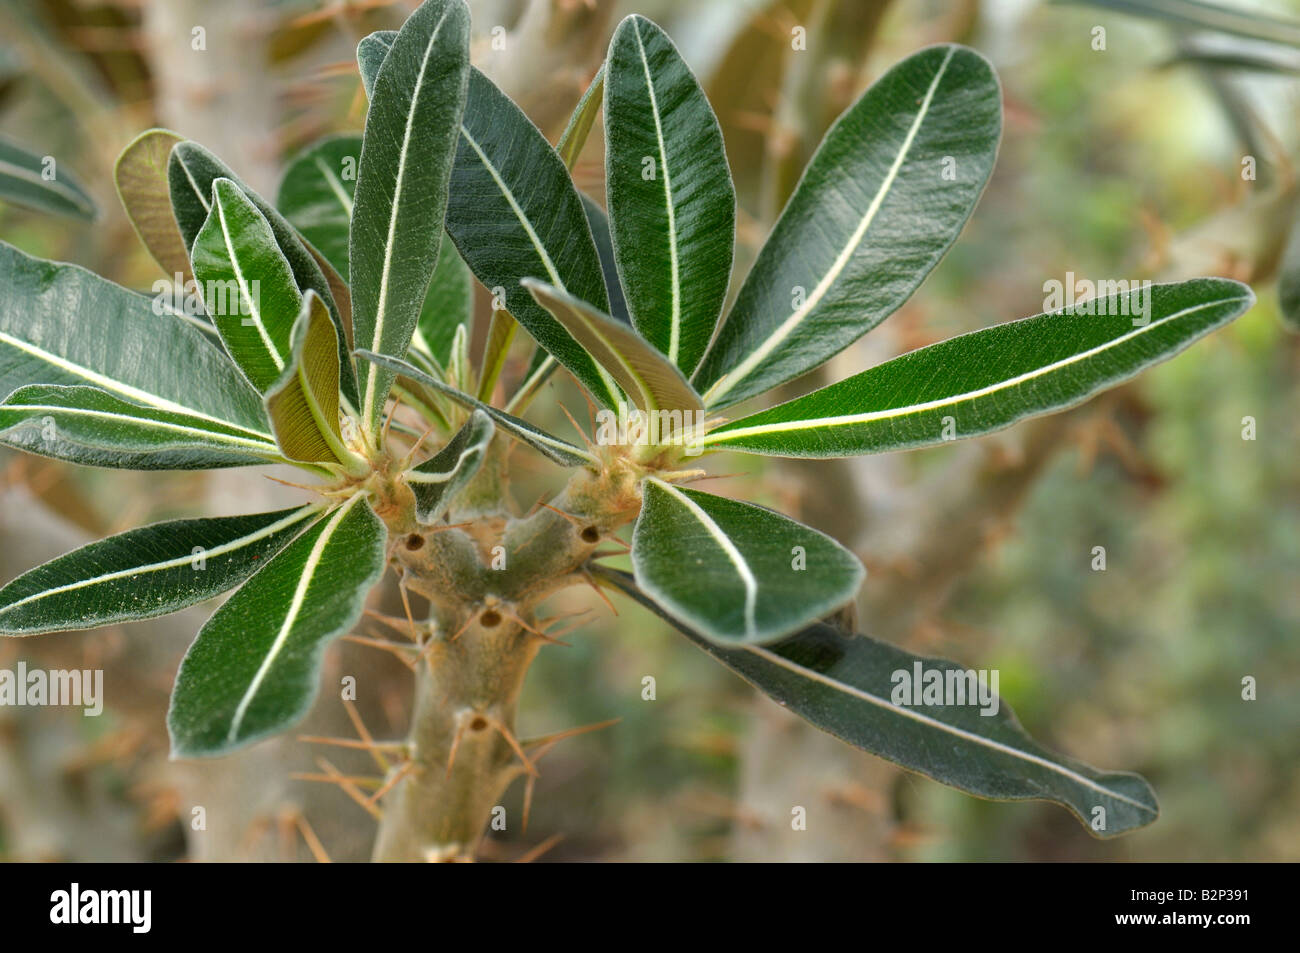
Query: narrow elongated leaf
x=514 y=214
x=991 y=378
x=553 y=448
x=883 y=198
x=672 y=205
x=191 y=170
x=647 y=376
x=400 y=201
x=581 y=122
x=140 y=174
x=90 y=426
x=40 y=183
x=846 y=685
x=501 y=334
x=1288 y=280
x=315 y=195
x=146 y=572
x=1220 y=18
x=247 y=284
x=734 y=571
x=304 y=403
x=138 y=351
x=436 y=481
x=254 y=668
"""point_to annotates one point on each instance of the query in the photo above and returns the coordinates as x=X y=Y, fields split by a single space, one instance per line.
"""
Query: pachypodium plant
x=352 y=293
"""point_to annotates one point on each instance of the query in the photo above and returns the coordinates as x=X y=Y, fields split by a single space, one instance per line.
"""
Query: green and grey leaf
x=436 y=481
x=146 y=572
x=989 y=379
x=672 y=206
x=304 y=403
x=734 y=571
x=315 y=195
x=37 y=182
x=879 y=204
x=847 y=685
x=254 y=668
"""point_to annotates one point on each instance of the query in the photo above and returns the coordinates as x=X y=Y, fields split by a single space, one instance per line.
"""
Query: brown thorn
x=396 y=776
x=393 y=647
x=528 y=799
x=298 y=486
x=600 y=592
x=581 y=433
x=511 y=740
x=547 y=743
x=313 y=842
x=406 y=604
x=393 y=622
x=364 y=734
x=545 y=637
x=455 y=744
x=568 y=516
x=349 y=787
x=388 y=421
x=353 y=743
x=415 y=448
x=531 y=855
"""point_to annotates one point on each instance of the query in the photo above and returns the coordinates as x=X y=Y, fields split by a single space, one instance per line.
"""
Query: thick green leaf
x=138 y=351
x=400 y=202
x=141 y=177
x=304 y=403
x=253 y=670
x=599 y=223
x=989 y=379
x=734 y=571
x=191 y=170
x=436 y=481
x=653 y=382
x=883 y=198
x=448 y=305
x=247 y=284
x=672 y=206
x=576 y=132
x=514 y=214
x=40 y=183
x=315 y=195
x=553 y=448
x=146 y=572
x=846 y=685
x=89 y=426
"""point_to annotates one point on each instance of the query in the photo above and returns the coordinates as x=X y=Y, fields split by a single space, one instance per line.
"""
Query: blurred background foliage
x=1122 y=162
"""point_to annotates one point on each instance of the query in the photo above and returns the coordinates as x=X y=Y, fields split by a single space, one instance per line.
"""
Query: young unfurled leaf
x=501 y=334
x=254 y=668
x=553 y=448
x=991 y=378
x=514 y=214
x=191 y=170
x=141 y=177
x=146 y=572
x=91 y=427
x=846 y=685
x=734 y=571
x=411 y=134
x=44 y=340
x=304 y=403
x=883 y=198
x=39 y=182
x=436 y=481
x=653 y=382
x=247 y=284
x=672 y=206
x=315 y=195
x=576 y=132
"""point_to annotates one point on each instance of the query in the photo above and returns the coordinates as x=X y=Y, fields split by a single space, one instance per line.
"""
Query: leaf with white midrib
x=436 y=481
x=43 y=339
x=989 y=379
x=401 y=192
x=254 y=668
x=24 y=181
x=553 y=448
x=304 y=403
x=146 y=572
x=91 y=427
x=844 y=684
x=884 y=196
x=734 y=571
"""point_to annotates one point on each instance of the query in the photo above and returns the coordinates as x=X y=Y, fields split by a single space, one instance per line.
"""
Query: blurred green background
x=1122 y=162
